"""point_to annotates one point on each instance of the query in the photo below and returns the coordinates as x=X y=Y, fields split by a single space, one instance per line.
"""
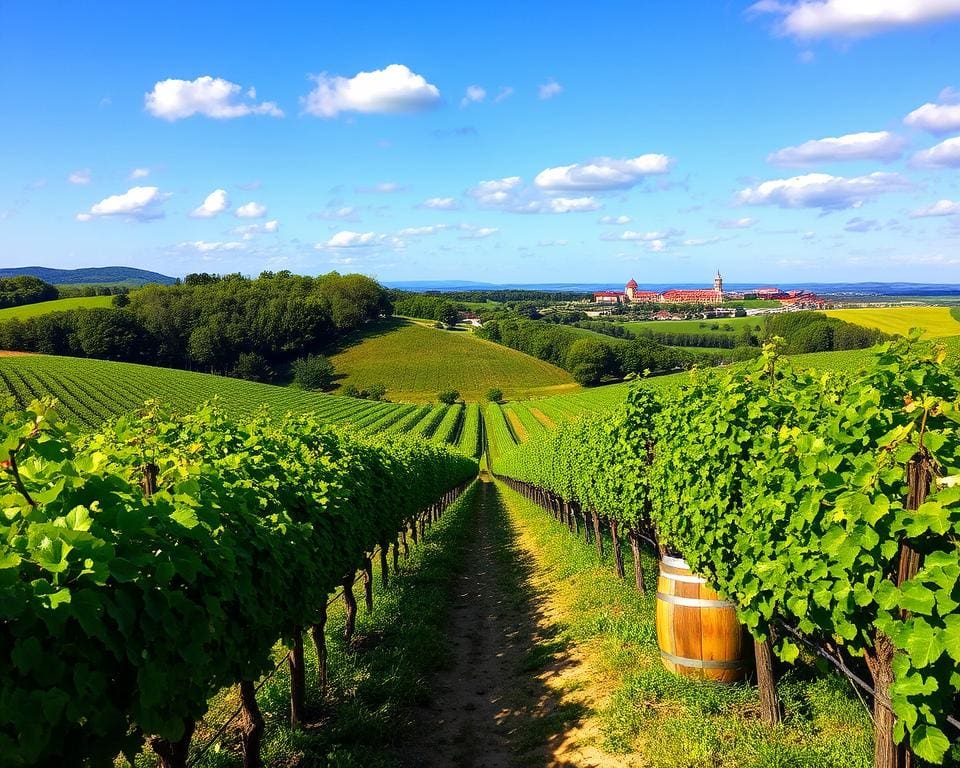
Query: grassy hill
x=57 y=305
x=92 y=391
x=937 y=321
x=414 y=362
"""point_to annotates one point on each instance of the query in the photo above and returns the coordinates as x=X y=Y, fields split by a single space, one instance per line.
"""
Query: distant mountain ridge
x=87 y=275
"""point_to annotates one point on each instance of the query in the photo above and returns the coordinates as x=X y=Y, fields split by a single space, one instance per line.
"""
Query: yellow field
x=414 y=362
x=936 y=321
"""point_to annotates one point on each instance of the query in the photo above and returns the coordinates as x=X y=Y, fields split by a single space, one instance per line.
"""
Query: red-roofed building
x=608 y=297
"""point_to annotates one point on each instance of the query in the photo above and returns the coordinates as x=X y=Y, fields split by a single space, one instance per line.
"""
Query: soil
x=516 y=692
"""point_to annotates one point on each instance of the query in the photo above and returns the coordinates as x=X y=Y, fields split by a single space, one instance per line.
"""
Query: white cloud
x=946 y=154
x=695 y=242
x=394 y=89
x=202 y=246
x=249 y=231
x=214 y=203
x=474 y=95
x=495 y=192
x=573 y=204
x=136 y=204
x=549 y=89
x=337 y=213
x=440 y=204
x=741 y=223
x=643 y=237
x=615 y=220
x=477 y=233
x=139 y=173
x=821 y=190
x=251 y=210
x=854 y=18
x=859 y=224
x=210 y=96
x=657 y=245
x=348 y=239
x=505 y=92
x=942 y=117
x=604 y=173
x=939 y=208
x=878 y=145
x=81 y=178
x=383 y=187
x=430 y=229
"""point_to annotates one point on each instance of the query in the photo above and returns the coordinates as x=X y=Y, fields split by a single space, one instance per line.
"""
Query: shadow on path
x=493 y=707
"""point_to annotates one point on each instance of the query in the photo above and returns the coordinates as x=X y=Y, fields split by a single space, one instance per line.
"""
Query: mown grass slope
x=57 y=305
x=414 y=362
x=936 y=321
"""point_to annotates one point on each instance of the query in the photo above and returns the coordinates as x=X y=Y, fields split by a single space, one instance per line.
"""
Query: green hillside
x=414 y=362
x=91 y=391
x=57 y=305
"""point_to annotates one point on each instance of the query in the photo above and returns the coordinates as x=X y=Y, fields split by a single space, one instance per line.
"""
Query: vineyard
x=93 y=391
x=821 y=505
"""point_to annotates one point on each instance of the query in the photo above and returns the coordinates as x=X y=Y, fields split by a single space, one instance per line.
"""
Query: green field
x=694 y=326
x=57 y=305
x=91 y=391
x=415 y=362
x=936 y=321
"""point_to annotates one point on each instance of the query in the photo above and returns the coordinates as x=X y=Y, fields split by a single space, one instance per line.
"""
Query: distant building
x=632 y=294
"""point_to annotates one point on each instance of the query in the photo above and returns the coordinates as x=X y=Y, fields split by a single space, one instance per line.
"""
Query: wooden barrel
x=698 y=633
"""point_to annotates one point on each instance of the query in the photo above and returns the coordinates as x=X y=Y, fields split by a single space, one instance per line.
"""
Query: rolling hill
x=936 y=321
x=130 y=276
x=414 y=362
x=26 y=311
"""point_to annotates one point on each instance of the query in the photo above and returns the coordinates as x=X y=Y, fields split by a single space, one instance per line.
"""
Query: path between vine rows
x=516 y=693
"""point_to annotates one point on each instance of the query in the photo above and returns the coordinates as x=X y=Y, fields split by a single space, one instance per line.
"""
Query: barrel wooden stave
x=697 y=631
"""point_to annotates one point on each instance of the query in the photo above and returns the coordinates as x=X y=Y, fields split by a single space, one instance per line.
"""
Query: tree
x=252 y=367
x=376 y=392
x=120 y=300
x=494 y=394
x=312 y=372
x=448 y=314
x=589 y=360
x=448 y=396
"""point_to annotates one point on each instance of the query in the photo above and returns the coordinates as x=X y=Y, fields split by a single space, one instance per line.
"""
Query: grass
x=653 y=718
x=57 y=305
x=936 y=321
x=726 y=325
x=415 y=362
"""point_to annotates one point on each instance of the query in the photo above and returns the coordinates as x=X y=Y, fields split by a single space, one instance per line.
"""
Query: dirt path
x=515 y=692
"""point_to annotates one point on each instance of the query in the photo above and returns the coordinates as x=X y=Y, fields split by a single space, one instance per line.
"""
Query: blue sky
x=507 y=142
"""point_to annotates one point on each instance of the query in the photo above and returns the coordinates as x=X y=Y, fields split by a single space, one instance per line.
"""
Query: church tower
x=630 y=290
x=718 y=285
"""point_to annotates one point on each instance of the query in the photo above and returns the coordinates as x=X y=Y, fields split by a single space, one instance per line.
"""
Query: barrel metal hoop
x=694 y=602
x=684 y=577
x=701 y=663
x=674 y=562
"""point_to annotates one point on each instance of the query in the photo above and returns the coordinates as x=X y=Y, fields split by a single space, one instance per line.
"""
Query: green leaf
x=186 y=517
x=929 y=743
x=923 y=644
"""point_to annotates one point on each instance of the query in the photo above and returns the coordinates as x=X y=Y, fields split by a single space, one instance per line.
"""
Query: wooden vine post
x=350 y=606
x=888 y=753
x=252 y=725
x=368 y=583
x=597 y=536
x=318 y=634
x=639 y=582
x=298 y=680
x=617 y=550
x=770 y=707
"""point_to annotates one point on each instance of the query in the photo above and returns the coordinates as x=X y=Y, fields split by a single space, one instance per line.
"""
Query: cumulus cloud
x=202 y=246
x=209 y=96
x=440 y=204
x=139 y=173
x=941 y=117
x=572 y=204
x=821 y=190
x=946 y=154
x=392 y=90
x=939 y=208
x=878 y=145
x=249 y=231
x=741 y=223
x=603 y=173
x=474 y=95
x=614 y=220
x=335 y=212
x=136 y=204
x=858 y=224
x=696 y=242
x=80 y=178
x=383 y=187
x=853 y=18
x=643 y=237
x=549 y=89
x=429 y=229
x=214 y=203
x=510 y=194
x=505 y=92
x=349 y=239
x=251 y=210
x=472 y=232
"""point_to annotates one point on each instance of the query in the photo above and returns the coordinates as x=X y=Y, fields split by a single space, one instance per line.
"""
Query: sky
x=807 y=141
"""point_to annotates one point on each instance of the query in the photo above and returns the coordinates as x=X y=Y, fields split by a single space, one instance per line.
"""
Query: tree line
x=222 y=324
x=24 y=289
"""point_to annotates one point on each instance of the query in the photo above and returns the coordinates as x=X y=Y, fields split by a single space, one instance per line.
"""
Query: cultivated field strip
x=90 y=392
